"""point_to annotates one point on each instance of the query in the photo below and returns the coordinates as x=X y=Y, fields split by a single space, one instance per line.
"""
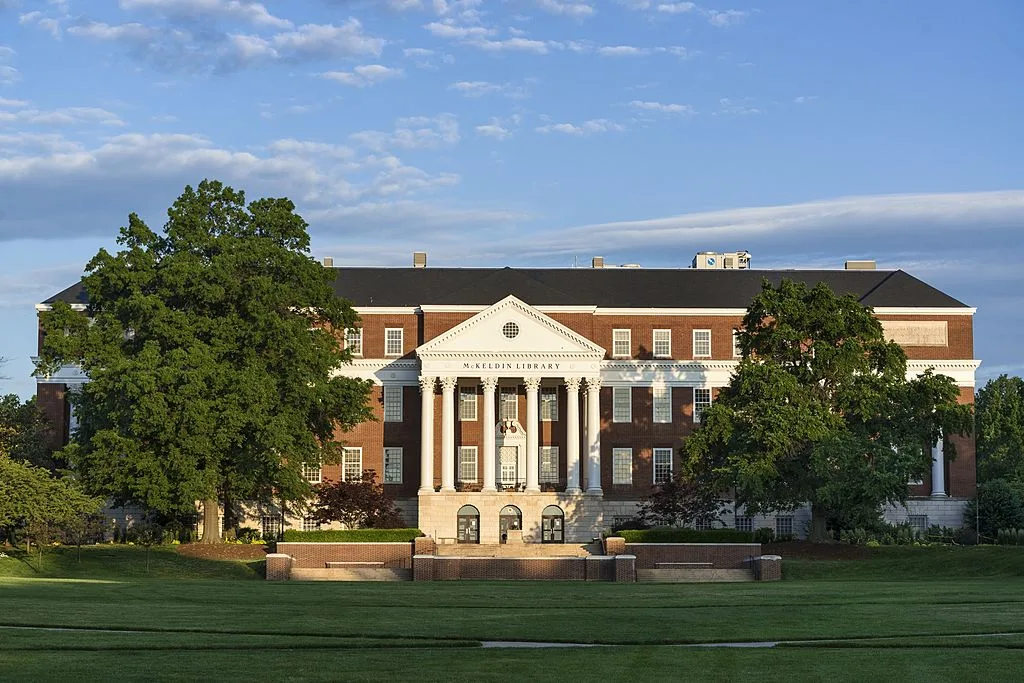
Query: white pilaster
x=572 y=434
x=488 y=421
x=532 y=435
x=594 y=435
x=938 y=470
x=427 y=434
x=448 y=433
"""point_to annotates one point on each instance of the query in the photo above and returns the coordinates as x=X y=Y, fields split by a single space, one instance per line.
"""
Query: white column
x=532 y=429
x=488 y=421
x=448 y=433
x=594 y=435
x=938 y=470
x=427 y=434
x=572 y=434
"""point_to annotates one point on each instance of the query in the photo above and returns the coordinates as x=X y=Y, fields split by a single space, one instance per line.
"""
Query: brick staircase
x=516 y=550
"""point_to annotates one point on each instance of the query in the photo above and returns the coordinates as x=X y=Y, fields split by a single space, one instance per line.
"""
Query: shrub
x=247 y=534
x=633 y=523
x=352 y=536
x=883 y=534
x=675 y=534
x=1010 y=537
x=764 y=535
x=998 y=506
x=361 y=503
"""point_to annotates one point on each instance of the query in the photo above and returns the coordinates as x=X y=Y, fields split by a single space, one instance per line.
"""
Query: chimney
x=419 y=259
x=860 y=265
x=597 y=262
x=328 y=261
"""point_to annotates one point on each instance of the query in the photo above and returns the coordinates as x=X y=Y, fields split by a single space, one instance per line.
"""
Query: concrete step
x=693 y=575
x=351 y=574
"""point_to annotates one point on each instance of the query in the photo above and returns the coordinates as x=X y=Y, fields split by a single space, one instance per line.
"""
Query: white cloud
x=662 y=107
x=12 y=104
x=511 y=45
x=363 y=75
x=586 y=128
x=480 y=88
x=415 y=132
x=65 y=116
x=727 y=18
x=738 y=107
x=576 y=10
x=451 y=30
x=499 y=128
x=622 y=51
x=252 y=12
x=804 y=99
x=676 y=7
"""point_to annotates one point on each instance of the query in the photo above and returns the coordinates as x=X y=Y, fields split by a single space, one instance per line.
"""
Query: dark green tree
x=820 y=411
x=999 y=409
x=211 y=351
x=26 y=433
x=32 y=499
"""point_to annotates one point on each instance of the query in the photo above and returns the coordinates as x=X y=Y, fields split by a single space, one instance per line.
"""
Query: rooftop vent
x=860 y=265
x=715 y=260
x=419 y=259
x=597 y=262
x=328 y=261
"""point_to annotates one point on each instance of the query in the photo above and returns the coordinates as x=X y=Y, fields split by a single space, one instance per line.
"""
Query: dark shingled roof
x=607 y=288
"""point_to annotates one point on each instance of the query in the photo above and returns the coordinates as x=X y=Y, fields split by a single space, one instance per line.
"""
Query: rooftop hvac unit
x=715 y=260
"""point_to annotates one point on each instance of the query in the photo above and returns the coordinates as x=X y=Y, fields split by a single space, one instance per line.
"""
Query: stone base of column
x=595 y=492
x=575 y=490
x=450 y=489
x=489 y=489
x=939 y=495
x=424 y=491
x=533 y=490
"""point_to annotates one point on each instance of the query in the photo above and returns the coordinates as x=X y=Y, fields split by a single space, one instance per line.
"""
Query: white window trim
x=654 y=344
x=736 y=351
x=549 y=391
x=350 y=450
x=395 y=450
x=701 y=355
x=312 y=478
x=310 y=524
x=711 y=399
x=654 y=464
x=476 y=464
x=513 y=391
x=355 y=346
x=393 y=390
x=401 y=341
x=655 y=401
x=540 y=469
x=628 y=342
x=620 y=452
x=619 y=391
x=467 y=392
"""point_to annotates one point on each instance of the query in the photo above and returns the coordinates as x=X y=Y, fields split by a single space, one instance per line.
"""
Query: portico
x=509 y=347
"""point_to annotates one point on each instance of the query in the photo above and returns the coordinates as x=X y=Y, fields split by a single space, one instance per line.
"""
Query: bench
x=355 y=565
x=684 y=565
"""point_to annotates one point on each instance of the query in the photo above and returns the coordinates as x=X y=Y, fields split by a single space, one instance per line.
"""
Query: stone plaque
x=916 y=332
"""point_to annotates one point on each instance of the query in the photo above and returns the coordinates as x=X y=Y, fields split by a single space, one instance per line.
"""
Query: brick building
x=553 y=400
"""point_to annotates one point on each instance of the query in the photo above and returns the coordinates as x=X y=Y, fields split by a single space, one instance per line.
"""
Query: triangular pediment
x=508 y=328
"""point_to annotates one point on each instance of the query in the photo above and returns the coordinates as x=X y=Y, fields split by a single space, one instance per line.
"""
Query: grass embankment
x=117 y=562
x=912 y=564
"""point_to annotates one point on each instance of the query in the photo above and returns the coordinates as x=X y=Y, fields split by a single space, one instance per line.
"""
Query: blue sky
x=527 y=132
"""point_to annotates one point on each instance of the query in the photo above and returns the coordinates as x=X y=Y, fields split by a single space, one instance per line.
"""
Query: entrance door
x=508 y=458
x=469 y=524
x=509 y=518
x=552 y=525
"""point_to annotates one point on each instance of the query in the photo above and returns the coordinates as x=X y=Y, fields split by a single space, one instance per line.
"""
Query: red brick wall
x=682 y=327
x=720 y=555
x=960 y=332
x=505 y=568
x=317 y=555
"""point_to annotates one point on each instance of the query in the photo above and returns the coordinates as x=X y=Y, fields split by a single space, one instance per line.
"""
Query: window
x=549 y=404
x=702 y=525
x=548 y=464
x=354 y=340
x=622 y=347
x=509 y=404
x=467 y=404
x=744 y=523
x=467 y=464
x=783 y=526
x=310 y=524
x=737 y=352
x=393 y=465
x=622 y=465
x=392 y=404
x=662 y=465
x=393 y=344
x=920 y=524
x=662 y=344
x=622 y=404
x=701 y=400
x=662 y=403
x=352 y=464
x=271 y=527
x=311 y=473
x=702 y=343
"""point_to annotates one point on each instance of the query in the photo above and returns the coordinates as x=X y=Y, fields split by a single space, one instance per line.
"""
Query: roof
x=607 y=287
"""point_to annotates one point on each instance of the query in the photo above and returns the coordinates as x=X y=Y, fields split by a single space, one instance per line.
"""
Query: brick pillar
x=423 y=568
x=768 y=568
x=614 y=545
x=625 y=568
x=279 y=567
x=424 y=545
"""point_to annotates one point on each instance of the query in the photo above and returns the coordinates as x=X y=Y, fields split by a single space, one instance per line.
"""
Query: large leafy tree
x=211 y=350
x=820 y=411
x=1000 y=429
x=25 y=432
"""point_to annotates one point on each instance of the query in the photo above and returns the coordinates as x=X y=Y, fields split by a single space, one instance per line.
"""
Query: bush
x=883 y=534
x=1010 y=537
x=632 y=524
x=352 y=536
x=247 y=534
x=764 y=535
x=675 y=534
x=998 y=506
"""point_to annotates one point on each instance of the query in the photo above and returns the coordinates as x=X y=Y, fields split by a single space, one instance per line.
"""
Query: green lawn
x=901 y=614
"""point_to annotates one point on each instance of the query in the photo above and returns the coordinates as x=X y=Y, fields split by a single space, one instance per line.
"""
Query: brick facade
x=317 y=555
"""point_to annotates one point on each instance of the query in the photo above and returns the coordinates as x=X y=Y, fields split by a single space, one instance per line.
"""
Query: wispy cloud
x=363 y=75
x=662 y=107
x=582 y=129
x=500 y=128
x=576 y=10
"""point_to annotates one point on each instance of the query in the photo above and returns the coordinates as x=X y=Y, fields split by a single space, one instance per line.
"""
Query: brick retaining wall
x=317 y=555
x=593 y=568
x=719 y=555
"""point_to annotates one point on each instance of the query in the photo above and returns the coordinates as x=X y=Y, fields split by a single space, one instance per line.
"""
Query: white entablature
x=510 y=338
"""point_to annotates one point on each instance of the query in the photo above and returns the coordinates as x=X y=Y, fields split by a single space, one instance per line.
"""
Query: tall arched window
x=468 y=524
x=552 y=525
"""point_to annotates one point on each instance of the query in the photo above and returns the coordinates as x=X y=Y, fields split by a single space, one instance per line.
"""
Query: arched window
x=468 y=524
x=552 y=525
x=510 y=518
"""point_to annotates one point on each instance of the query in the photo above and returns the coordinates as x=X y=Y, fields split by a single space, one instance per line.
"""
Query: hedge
x=351 y=536
x=684 y=535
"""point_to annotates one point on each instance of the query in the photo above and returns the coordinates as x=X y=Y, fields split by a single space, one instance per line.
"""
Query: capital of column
x=532 y=383
x=427 y=384
x=449 y=383
x=489 y=383
x=573 y=383
x=593 y=382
